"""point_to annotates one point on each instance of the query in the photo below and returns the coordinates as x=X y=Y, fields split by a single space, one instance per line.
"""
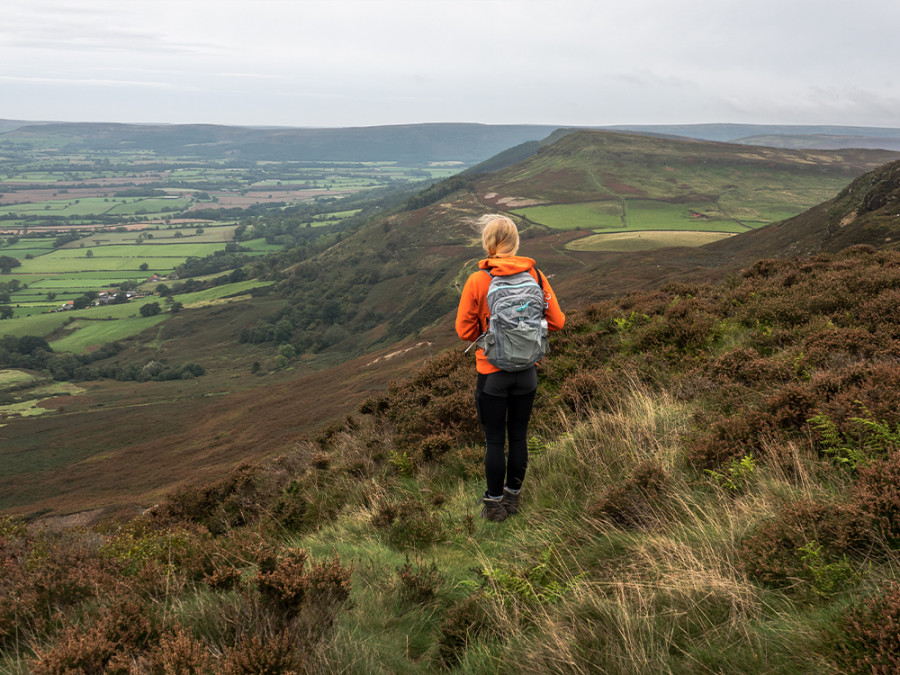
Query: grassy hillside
x=401 y=273
x=712 y=488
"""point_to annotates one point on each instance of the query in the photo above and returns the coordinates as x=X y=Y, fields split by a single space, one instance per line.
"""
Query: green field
x=104 y=259
x=92 y=206
x=644 y=240
x=220 y=292
x=637 y=214
x=95 y=326
x=157 y=249
x=58 y=263
x=86 y=332
x=11 y=379
x=261 y=246
x=44 y=324
x=161 y=234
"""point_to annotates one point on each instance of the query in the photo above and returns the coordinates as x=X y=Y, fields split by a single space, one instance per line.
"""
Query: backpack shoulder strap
x=540 y=278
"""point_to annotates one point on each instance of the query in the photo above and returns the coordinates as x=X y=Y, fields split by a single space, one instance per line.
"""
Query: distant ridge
x=813 y=137
x=467 y=143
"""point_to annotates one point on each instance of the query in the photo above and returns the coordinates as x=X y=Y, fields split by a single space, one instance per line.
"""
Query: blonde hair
x=499 y=236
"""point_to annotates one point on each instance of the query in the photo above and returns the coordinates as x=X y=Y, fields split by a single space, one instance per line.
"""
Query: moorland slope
x=711 y=488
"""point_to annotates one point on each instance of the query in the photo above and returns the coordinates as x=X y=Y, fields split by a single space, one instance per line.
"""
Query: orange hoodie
x=472 y=315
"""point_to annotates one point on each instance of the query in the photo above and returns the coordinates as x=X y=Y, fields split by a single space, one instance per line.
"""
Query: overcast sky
x=371 y=62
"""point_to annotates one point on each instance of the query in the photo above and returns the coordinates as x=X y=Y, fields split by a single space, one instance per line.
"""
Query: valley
x=341 y=278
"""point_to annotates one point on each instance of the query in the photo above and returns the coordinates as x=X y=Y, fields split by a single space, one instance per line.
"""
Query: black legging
x=503 y=402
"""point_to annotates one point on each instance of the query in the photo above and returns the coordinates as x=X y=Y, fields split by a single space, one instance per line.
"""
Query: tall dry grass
x=666 y=596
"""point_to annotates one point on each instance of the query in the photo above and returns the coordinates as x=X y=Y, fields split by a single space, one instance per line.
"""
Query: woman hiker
x=504 y=395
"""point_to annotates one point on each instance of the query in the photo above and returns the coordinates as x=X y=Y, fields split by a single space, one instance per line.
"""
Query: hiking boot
x=510 y=501
x=493 y=510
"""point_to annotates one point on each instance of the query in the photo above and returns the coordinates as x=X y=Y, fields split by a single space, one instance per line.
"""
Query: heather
x=713 y=487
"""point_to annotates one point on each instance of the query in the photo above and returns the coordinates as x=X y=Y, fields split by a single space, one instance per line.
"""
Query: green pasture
x=88 y=332
x=89 y=280
x=32 y=308
x=15 y=378
x=219 y=292
x=31 y=177
x=149 y=205
x=167 y=249
x=648 y=214
x=582 y=216
x=95 y=326
x=442 y=172
x=85 y=206
x=162 y=234
x=639 y=214
x=209 y=175
x=644 y=240
x=95 y=206
x=52 y=263
x=44 y=324
x=20 y=253
x=28 y=245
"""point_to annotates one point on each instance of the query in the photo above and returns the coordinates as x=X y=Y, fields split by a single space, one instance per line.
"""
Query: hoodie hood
x=504 y=267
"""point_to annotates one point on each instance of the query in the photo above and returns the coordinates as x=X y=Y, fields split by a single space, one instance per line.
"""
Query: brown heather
x=868 y=634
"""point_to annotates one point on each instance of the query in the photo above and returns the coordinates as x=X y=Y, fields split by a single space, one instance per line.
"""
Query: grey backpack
x=516 y=337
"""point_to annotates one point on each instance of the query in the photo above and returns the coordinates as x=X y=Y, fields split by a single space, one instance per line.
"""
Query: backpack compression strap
x=540 y=277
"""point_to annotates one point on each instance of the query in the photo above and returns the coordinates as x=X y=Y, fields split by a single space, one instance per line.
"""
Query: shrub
x=630 y=503
x=288 y=586
x=746 y=366
x=178 y=652
x=438 y=401
x=579 y=391
x=718 y=440
x=877 y=493
x=408 y=523
x=464 y=622
x=419 y=583
x=867 y=634
x=261 y=655
x=435 y=446
x=773 y=553
x=122 y=628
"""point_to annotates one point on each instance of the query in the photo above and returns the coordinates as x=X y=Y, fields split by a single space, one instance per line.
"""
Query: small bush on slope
x=867 y=638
